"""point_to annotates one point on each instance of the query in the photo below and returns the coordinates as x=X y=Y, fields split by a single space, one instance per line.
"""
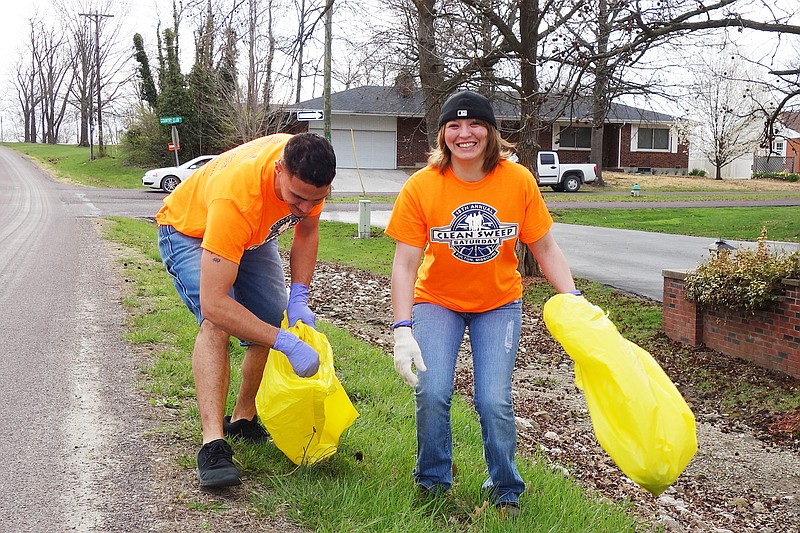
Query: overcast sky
x=134 y=15
x=142 y=16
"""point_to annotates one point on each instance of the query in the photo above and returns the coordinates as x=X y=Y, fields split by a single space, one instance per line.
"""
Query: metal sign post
x=176 y=142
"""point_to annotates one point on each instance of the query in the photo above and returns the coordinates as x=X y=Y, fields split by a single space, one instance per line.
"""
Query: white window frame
x=557 y=138
x=672 y=145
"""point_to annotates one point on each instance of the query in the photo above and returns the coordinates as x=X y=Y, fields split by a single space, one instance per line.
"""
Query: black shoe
x=215 y=466
x=247 y=430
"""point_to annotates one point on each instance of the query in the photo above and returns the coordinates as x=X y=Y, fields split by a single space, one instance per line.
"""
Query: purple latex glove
x=298 y=306
x=304 y=358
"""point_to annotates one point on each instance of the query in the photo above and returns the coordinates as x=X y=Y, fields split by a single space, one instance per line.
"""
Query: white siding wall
x=740 y=168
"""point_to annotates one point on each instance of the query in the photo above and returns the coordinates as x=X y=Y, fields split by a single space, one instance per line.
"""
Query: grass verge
x=367 y=485
x=737 y=223
x=73 y=163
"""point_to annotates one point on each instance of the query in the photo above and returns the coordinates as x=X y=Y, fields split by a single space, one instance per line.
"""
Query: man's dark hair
x=310 y=157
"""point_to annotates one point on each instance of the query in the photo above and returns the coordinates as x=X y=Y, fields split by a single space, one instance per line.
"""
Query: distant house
x=384 y=128
x=791 y=119
x=783 y=155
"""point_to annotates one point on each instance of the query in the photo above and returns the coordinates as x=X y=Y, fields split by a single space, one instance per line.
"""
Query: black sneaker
x=215 y=466
x=247 y=430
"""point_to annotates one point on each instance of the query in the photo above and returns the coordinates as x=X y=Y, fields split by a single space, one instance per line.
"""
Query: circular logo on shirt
x=475 y=234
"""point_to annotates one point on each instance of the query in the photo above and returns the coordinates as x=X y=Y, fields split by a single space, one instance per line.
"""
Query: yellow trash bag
x=638 y=415
x=304 y=416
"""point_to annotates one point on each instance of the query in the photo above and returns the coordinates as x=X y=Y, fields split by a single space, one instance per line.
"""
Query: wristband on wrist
x=575 y=292
x=401 y=324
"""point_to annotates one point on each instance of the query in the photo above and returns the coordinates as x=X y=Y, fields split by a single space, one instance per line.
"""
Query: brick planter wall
x=770 y=339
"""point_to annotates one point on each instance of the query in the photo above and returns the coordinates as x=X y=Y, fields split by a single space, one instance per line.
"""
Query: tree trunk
x=431 y=67
x=526 y=264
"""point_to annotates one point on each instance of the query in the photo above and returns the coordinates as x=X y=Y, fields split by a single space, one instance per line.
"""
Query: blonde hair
x=497 y=148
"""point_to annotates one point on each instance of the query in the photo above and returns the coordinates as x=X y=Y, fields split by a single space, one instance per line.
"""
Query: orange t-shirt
x=230 y=202
x=469 y=231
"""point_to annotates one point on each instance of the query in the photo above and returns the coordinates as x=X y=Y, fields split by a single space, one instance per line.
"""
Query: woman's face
x=466 y=139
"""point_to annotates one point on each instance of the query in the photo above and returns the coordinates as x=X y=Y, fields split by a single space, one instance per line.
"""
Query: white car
x=168 y=178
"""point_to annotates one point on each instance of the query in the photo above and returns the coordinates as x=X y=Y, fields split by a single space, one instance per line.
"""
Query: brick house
x=383 y=128
x=791 y=119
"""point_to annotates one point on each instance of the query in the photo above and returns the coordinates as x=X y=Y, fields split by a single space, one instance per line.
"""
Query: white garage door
x=362 y=142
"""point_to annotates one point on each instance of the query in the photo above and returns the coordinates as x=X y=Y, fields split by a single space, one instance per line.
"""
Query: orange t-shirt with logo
x=230 y=202
x=468 y=232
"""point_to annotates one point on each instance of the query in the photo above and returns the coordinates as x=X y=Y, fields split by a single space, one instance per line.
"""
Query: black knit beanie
x=467 y=104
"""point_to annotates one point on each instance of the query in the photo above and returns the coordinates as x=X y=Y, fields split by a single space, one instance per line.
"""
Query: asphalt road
x=72 y=458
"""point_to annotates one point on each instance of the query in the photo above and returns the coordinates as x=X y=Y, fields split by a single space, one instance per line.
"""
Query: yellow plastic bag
x=304 y=416
x=638 y=415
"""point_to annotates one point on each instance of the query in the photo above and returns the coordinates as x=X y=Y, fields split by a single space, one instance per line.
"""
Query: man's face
x=301 y=197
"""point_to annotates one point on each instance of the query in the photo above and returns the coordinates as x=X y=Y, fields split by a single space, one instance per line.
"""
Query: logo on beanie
x=462 y=113
x=475 y=234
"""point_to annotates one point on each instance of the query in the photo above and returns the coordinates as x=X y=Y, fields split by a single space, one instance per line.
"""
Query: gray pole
x=326 y=88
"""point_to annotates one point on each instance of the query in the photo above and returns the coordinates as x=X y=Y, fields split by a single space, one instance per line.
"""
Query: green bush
x=697 y=172
x=785 y=176
x=746 y=279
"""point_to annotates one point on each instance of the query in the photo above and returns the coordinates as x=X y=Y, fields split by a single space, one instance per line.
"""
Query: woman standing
x=462 y=215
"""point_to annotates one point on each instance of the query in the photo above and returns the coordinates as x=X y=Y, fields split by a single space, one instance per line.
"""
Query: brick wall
x=768 y=338
x=412 y=143
x=651 y=159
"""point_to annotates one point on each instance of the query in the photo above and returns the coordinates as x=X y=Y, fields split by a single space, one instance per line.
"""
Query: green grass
x=339 y=244
x=73 y=163
x=367 y=484
x=612 y=195
x=737 y=223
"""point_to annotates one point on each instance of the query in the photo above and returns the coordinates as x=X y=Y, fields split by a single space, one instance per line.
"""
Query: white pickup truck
x=563 y=177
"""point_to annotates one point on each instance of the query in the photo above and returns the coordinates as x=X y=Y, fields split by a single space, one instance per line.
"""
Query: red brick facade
x=768 y=338
x=680 y=159
x=412 y=143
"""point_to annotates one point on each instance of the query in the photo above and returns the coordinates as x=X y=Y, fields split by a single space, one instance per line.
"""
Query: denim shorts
x=260 y=285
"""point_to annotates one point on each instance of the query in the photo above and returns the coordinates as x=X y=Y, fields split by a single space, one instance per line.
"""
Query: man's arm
x=217 y=276
x=303 y=256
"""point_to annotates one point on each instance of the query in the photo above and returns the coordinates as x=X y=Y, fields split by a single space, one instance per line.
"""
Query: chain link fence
x=772 y=163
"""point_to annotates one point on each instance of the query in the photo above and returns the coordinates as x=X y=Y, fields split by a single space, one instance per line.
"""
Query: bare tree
x=725 y=107
x=54 y=78
x=26 y=83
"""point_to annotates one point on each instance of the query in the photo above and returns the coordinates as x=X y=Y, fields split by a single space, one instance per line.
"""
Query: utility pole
x=326 y=79
x=101 y=147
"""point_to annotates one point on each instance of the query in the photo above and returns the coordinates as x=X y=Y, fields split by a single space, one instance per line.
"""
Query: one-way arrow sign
x=310 y=115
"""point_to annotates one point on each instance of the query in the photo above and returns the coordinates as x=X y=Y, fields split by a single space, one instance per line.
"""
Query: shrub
x=746 y=279
x=785 y=176
x=697 y=172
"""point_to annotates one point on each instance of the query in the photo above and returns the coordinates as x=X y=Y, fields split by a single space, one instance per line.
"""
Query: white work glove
x=406 y=351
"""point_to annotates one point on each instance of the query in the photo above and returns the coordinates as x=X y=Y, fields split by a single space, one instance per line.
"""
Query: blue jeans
x=260 y=285
x=494 y=337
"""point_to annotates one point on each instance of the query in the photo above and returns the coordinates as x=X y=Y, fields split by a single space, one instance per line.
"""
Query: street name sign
x=310 y=115
x=171 y=120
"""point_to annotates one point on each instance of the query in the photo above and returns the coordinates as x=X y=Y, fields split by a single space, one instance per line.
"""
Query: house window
x=653 y=139
x=575 y=137
x=778 y=148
